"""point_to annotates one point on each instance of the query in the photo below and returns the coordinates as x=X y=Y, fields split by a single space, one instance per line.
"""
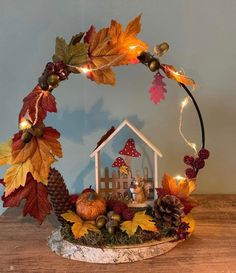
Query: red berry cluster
x=53 y=74
x=195 y=163
x=121 y=208
x=182 y=231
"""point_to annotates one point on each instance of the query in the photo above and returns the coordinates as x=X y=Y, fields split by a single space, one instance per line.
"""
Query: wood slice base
x=119 y=254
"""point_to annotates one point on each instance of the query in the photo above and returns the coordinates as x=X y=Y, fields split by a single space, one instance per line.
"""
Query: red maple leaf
x=157 y=90
x=36 y=195
x=89 y=35
x=36 y=104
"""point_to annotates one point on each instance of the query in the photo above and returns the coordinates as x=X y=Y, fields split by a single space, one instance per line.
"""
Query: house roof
x=135 y=130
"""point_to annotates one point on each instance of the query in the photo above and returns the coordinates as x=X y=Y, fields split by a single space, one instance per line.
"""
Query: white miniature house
x=113 y=180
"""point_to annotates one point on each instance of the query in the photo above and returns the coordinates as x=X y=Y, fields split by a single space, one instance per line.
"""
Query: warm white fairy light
x=193 y=145
x=133 y=47
x=179 y=177
x=84 y=70
x=25 y=124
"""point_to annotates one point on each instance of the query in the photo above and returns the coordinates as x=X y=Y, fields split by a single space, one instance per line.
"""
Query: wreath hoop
x=35 y=147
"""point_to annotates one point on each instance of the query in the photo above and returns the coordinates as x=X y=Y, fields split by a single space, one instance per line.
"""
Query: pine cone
x=59 y=194
x=169 y=210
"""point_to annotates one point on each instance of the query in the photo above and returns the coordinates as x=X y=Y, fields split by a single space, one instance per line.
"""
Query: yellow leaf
x=15 y=176
x=142 y=220
x=42 y=159
x=5 y=152
x=72 y=217
x=192 y=223
x=79 y=228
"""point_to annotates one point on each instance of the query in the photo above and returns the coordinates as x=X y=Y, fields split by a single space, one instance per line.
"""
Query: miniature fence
x=119 y=184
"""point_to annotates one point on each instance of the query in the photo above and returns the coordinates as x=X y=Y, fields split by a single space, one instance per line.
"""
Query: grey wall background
x=202 y=39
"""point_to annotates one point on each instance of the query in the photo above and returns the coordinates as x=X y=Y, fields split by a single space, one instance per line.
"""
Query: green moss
x=119 y=238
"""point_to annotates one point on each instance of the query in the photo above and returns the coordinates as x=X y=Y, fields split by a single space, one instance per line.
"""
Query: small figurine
x=139 y=192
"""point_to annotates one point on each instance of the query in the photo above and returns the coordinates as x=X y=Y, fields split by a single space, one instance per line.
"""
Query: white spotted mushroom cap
x=130 y=149
x=119 y=162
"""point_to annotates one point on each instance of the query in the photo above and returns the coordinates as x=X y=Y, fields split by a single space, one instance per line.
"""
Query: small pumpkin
x=89 y=205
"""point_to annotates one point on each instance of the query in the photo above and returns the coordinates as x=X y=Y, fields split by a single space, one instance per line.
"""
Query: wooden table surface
x=211 y=249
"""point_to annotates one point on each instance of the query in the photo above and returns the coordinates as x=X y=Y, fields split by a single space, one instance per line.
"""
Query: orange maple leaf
x=112 y=47
x=182 y=190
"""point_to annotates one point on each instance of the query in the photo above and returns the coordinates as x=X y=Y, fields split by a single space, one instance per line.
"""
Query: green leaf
x=76 y=38
x=76 y=55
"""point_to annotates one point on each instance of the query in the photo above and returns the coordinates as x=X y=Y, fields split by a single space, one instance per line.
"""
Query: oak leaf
x=36 y=195
x=142 y=220
x=71 y=54
x=171 y=73
x=37 y=104
x=6 y=152
x=79 y=228
x=182 y=190
x=158 y=89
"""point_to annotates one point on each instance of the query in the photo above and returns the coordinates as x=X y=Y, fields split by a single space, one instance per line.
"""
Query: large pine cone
x=59 y=194
x=169 y=210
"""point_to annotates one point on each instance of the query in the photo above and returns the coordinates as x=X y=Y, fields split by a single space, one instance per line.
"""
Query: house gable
x=135 y=130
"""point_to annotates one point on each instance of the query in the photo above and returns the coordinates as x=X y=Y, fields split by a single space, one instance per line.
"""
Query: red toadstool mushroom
x=119 y=162
x=129 y=151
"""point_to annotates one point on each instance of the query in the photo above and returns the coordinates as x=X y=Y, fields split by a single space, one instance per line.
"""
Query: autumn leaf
x=112 y=47
x=171 y=73
x=182 y=190
x=36 y=205
x=71 y=54
x=15 y=176
x=158 y=89
x=40 y=150
x=76 y=38
x=6 y=152
x=89 y=35
x=37 y=104
x=35 y=157
x=128 y=44
x=79 y=227
x=140 y=219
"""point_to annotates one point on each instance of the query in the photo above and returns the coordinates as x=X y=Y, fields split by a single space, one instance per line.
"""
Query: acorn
x=112 y=223
x=38 y=131
x=153 y=65
x=53 y=80
x=101 y=221
x=161 y=49
x=115 y=217
x=110 y=213
x=43 y=83
x=144 y=57
x=26 y=137
x=111 y=230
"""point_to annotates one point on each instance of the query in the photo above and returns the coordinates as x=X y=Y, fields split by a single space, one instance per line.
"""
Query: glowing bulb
x=133 y=47
x=184 y=102
x=179 y=177
x=84 y=70
x=25 y=124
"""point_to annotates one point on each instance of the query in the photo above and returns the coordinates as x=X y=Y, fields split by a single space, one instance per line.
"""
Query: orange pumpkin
x=89 y=205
